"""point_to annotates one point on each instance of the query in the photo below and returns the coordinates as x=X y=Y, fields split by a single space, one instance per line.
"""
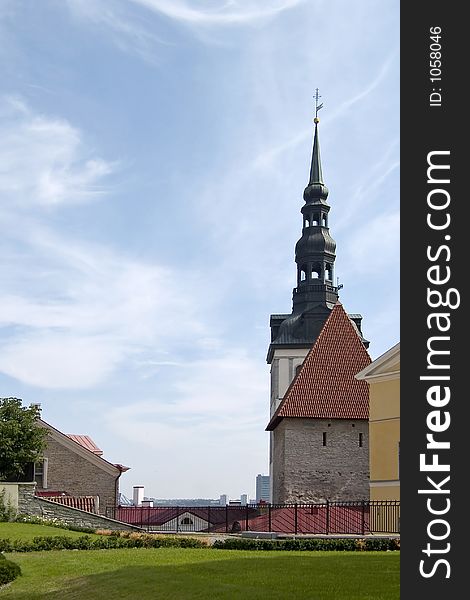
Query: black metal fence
x=360 y=517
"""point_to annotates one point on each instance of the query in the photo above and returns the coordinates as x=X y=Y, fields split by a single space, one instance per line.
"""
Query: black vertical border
x=425 y=128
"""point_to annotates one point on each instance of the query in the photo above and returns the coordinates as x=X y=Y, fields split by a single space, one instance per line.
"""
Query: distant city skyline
x=153 y=159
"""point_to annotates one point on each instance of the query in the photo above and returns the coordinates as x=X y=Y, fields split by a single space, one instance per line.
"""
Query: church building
x=318 y=410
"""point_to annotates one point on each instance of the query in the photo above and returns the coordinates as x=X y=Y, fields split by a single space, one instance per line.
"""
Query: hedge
x=85 y=542
x=135 y=540
x=345 y=544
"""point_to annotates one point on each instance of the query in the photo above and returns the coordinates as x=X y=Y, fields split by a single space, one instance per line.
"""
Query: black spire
x=315 y=251
x=316 y=175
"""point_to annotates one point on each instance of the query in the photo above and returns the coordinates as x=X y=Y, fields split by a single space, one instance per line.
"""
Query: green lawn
x=180 y=573
x=27 y=531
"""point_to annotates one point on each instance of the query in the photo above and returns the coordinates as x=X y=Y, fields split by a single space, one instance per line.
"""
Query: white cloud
x=60 y=360
x=217 y=409
x=73 y=310
x=217 y=13
x=126 y=31
x=98 y=306
x=44 y=160
x=135 y=32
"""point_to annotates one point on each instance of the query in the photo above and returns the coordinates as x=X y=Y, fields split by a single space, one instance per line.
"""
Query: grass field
x=27 y=531
x=182 y=573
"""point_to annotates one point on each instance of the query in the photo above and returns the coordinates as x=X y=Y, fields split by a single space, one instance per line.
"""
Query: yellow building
x=383 y=377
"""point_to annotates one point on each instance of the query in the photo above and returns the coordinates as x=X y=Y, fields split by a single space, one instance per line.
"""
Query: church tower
x=292 y=335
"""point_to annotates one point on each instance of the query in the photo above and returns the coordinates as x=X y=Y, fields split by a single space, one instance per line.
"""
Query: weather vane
x=317 y=106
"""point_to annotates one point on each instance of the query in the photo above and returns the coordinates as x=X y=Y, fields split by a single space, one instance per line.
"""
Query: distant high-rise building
x=262 y=488
x=244 y=499
x=223 y=500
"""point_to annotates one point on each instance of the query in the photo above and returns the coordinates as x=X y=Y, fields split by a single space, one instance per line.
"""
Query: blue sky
x=153 y=155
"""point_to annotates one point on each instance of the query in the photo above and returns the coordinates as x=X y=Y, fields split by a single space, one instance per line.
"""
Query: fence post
x=226 y=518
x=177 y=518
x=208 y=519
x=295 y=519
x=141 y=510
x=246 y=519
x=269 y=517
x=327 y=517
x=363 y=524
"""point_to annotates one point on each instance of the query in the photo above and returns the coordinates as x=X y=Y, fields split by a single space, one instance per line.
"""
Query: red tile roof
x=86 y=442
x=325 y=387
x=86 y=503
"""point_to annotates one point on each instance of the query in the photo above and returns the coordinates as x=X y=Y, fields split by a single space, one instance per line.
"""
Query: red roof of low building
x=86 y=442
x=325 y=387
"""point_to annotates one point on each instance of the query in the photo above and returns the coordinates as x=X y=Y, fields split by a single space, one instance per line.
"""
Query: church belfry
x=315 y=251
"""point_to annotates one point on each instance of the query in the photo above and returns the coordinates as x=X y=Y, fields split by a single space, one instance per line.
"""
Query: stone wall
x=31 y=505
x=304 y=470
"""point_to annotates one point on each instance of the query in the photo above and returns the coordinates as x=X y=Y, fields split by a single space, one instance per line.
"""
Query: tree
x=22 y=441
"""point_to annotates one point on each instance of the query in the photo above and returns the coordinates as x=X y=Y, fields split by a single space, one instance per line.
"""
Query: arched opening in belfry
x=324 y=220
x=316 y=271
x=306 y=222
x=315 y=220
x=328 y=272
x=303 y=272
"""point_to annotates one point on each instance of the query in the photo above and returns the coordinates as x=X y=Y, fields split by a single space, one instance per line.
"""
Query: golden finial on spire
x=317 y=106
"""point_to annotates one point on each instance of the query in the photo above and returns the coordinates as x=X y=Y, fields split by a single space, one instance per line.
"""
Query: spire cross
x=317 y=106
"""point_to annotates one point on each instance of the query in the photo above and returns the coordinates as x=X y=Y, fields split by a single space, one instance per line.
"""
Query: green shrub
x=338 y=544
x=8 y=570
x=85 y=542
x=379 y=544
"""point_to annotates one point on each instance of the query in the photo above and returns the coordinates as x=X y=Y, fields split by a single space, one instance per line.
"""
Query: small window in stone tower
x=360 y=440
x=328 y=272
x=315 y=220
x=323 y=221
x=306 y=223
x=324 y=438
x=303 y=274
